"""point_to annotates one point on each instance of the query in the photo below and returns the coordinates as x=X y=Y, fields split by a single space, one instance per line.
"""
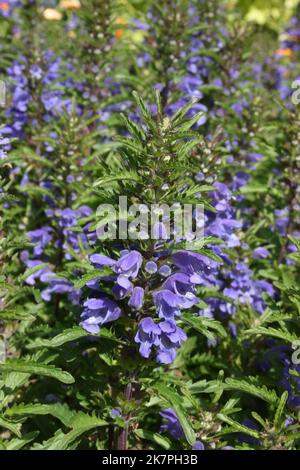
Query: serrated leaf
x=28 y=367
x=144 y=109
x=247 y=386
x=275 y=333
x=205 y=326
x=124 y=176
x=61 y=441
x=280 y=409
x=11 y=426
x=58 y=410
x=90 y=276
x=149 y=436
x=237 y=427
x=17 y=444
x=71 y=334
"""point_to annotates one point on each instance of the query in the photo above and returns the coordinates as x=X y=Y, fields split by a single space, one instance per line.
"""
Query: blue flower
x=172 y=424
x=136 y=300
x=97 y=312
x=129 y=264
x=167 y=303
x=147 y=336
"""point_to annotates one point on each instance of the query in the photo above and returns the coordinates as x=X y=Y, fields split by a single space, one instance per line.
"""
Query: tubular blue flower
x=102 y=260
x=170 y=339
x=165 y=270
x=137 y=297
x=68 y=218
x=97 y=312
x=122 y=288
x=167 y=304
x=41 y=238
x=147 y=336
x=4 y=146
x=193 y=264
x=40 y=275
x=180 y=284
x=36 y=72
x=129 y=264
x=115 y=413
x=172 y=425
x=260 y=253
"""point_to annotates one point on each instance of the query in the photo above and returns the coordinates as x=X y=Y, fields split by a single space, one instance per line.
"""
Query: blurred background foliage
x=271 y=13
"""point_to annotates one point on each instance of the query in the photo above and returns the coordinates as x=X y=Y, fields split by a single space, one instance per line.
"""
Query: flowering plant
x=149 y=228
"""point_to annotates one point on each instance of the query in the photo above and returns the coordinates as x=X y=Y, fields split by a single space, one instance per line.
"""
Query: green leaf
x=58 y=410
x=175 y=401
x=11 y=426
x=133 y=128
x=144 y=109
x=188 y=123
x=249 y=386
x=259 y=419
x=275 y=333
x=237 y=427
x=280 y=409
x=177 y=118
x=66 y=336
x=17 y=444
x=61 y=441
x=28 y=367
x=205 y=326
x=90 y=276
x=69 y=335
x=125 y=176
x=161 y=441
x=295 y=240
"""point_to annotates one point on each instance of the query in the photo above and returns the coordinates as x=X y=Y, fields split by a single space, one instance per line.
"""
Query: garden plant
x=149 y=225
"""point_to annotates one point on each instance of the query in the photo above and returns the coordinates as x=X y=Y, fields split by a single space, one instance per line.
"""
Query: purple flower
x=193 y=264
x=41 y=238
x=198 y=446
x=97 y=312
x=36 y=72
x=122 y=287
x=288 y=421
x=260 y=253
x=137 y=297
x=170 y=339
x=147 y=336
x=102 y=260
x=172 y=425
x=180 y=284
x=129 y=264
x=165 y=270
x=167 y=303
x=41 y=274
x=151 y=267
x=68 y=218
x=115 y=413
